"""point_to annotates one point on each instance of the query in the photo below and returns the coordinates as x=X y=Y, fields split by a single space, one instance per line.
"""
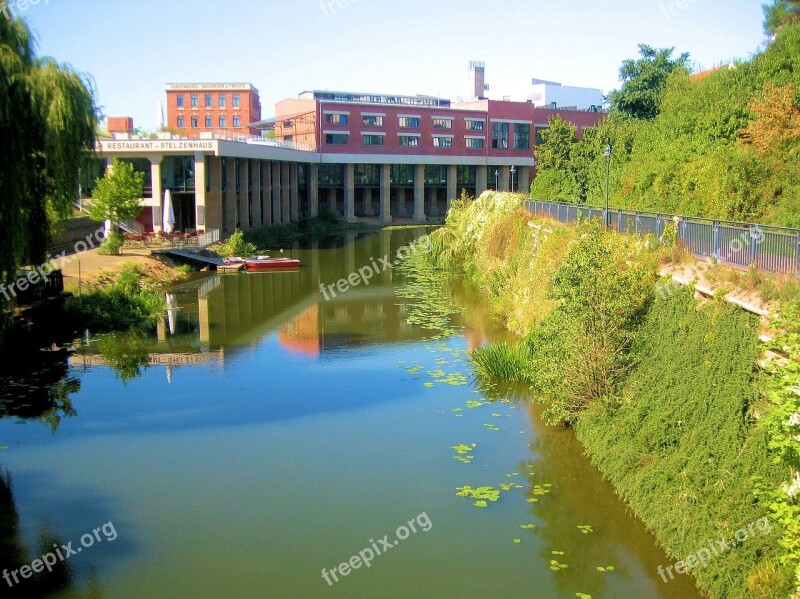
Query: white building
x=545 y=94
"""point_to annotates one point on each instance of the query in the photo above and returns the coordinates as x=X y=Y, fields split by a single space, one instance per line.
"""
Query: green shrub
x=236 y=246
x=123 y=305
x=112 y=244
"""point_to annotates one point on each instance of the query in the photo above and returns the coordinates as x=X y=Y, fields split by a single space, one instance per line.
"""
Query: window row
x=209 y=122
x=402 y=175
x=408 y=141
x=208 y=99
x=405 y=122
x=501 y=136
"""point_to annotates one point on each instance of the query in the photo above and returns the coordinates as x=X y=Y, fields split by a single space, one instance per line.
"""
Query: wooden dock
x=225 y=269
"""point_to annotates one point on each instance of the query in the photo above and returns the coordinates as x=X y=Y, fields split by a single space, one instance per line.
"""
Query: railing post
x=797 y=256
x=619 y=221
x=638 y=222
x=754 y=242
x=659 y=227
x=715 y=241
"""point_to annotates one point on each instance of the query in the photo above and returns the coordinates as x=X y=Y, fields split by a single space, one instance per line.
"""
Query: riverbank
x=664 y=390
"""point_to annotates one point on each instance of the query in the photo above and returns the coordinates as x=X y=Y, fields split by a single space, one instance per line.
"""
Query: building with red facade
x=225 y=108
x=356 y=156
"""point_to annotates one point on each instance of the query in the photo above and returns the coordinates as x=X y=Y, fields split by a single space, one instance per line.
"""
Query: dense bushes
x=125 y=304
x=722 y=146
x=681 y=447
x=665 y=394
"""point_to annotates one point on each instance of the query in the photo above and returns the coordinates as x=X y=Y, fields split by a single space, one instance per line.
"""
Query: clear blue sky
x=133 y=47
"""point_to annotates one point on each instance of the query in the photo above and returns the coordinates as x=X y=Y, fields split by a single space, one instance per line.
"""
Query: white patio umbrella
x=169 y=213
x=172 y=312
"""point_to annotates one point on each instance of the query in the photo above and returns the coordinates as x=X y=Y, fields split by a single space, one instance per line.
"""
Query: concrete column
x=419 y=193
x=231 y=206
x=452 y=184
x=481 y=174
x=294 y=175
x=158 y=192
x=349 y=193
x=276 y=193
x=400 y=194
x=214 y=195
x=244 y=195
x=367 y=200
x=199 y=191
x=313 y=190
x=332 y=201
x=386 y=194
x=504 y=177
x=255 y=193
x=286 y=215
x=524 y=175
x=266 y=168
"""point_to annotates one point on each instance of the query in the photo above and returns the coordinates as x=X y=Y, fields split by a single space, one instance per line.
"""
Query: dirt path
x=90 y=265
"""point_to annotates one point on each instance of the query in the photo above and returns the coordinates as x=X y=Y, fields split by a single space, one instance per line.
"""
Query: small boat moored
x=267 y=263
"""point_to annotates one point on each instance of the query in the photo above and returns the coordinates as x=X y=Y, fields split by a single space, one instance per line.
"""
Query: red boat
x=267 y=263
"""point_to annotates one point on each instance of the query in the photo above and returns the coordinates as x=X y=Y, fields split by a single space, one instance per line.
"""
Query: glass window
x=500 y=136
x=208 y=100
x=474 y=143
x=223 y=122
x=195 y=122
x=402 y=174
x=331 y=175
x=522 y=136
x=180 y=100
x=373 y=121
x=181 y=122
x=236 y=100
x=435 y=174
x=209 y=121
x=223 y=99
x=442 y=123
x=237 y=122
x=373 y=140
x=367 y=175
x=336 y=119
x=466 y=175
x=409 y=140
x=442 y=142
x=408 y=122
x=474 y=125
x=194 y=100
x=336 y=139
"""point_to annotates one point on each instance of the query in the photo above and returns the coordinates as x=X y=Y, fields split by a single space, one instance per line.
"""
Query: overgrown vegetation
x=127 y=303
x=724 y=145
x=236 y=246
x=665 y=394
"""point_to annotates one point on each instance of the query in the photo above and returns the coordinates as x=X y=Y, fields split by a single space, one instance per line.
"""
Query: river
x=265 y=435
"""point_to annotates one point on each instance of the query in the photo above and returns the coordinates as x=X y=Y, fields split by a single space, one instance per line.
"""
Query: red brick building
x=227 y=108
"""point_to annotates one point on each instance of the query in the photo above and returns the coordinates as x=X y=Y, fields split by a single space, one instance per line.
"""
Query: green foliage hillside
x=724 y=145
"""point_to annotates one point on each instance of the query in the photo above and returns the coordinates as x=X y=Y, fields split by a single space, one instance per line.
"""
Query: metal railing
x=768 y=248
x=208 y=238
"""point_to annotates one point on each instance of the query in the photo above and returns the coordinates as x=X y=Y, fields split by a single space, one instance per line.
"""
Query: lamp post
x=497 y=179
x=513 y=170
x=607 y=154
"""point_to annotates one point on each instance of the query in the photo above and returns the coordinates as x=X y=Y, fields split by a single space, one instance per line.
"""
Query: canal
x=269 y=442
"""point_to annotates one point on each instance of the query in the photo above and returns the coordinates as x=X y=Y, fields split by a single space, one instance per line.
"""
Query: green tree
x=554 y=165
x=780 y=14
x=118 y=194
x=644 y=79
x=47 y=130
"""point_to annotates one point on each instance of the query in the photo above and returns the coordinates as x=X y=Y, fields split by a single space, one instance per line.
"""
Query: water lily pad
x=480 y=503
x=527 y=526
x=517 y=541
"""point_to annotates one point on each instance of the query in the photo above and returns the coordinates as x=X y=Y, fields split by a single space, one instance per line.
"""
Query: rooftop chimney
x=477 y=71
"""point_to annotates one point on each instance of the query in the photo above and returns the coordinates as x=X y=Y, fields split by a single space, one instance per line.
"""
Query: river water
x=263 y=436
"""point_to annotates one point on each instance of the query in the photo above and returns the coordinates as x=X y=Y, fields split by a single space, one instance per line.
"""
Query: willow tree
x=47 y=130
